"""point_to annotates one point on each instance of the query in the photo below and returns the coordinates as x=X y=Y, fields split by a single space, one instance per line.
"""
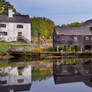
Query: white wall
x=12 y=30
x=12 y=77
x=4 y=30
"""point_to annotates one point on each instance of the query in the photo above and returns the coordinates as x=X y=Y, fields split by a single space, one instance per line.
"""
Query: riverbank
x=6 y=46
x=22 y=50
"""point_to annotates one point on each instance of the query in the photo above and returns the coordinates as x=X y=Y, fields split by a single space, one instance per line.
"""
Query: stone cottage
x=15 y=27
x=77 y=36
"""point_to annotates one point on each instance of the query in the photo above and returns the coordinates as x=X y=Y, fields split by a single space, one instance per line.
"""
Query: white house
x=15 y=27
x=15 y=79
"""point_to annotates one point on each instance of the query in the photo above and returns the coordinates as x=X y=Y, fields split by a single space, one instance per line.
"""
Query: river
x=61 y=75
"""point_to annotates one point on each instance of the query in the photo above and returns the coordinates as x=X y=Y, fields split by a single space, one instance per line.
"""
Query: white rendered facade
x=15 y=76
x=9 y=30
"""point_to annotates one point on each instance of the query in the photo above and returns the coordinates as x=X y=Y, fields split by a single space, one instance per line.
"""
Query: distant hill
x=4 y=5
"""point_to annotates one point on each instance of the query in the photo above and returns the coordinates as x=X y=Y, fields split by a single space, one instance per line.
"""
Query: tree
x=75 y=24
x=43 y=26
x=0 y=9
x=4 y=7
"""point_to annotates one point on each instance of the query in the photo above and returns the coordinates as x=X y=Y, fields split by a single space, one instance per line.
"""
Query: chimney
x=10 y=13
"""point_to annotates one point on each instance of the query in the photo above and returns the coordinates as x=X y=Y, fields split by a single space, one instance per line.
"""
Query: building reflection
x=68 y=73
x=13 y=79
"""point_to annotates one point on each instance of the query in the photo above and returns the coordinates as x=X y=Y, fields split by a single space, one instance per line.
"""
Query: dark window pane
x=90 y=28
x=19 y=26
x=20 y=80
x=3 y=82
x=2 y=25
x=3 y=33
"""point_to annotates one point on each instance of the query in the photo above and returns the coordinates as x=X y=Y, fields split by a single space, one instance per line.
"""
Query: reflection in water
x=35 y=75
x=14 y=79
x=68 y=73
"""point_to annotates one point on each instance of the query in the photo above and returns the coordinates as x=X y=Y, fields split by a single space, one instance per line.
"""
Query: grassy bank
x=4 y=46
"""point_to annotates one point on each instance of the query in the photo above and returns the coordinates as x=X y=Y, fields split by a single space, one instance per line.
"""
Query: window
x=86 y=38
x=3 y=82
x=75 y=38
x=20 y=80
x=90 y=28
x=3 y=25
x=3 y=33
x=19 y=26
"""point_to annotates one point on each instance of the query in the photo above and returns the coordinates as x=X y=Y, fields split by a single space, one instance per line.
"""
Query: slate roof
x=87 y=22
x=73 y=31
x=15 y=19
x=83 y=30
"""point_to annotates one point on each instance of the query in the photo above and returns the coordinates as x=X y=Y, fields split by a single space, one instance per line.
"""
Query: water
x=66 y=75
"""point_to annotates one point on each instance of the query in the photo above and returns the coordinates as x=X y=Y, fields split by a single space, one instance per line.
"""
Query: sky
x=60 y=11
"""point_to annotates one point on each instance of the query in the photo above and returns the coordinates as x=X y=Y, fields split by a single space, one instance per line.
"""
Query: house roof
x=83 y=30
x=87 y=22
x=15 y=19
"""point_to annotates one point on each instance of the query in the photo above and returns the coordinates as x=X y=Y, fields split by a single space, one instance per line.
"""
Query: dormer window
x=19 y=26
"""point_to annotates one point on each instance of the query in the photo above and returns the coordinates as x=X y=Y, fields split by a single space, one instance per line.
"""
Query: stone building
x=15 y=27
x=77 y=36
x=72 y=73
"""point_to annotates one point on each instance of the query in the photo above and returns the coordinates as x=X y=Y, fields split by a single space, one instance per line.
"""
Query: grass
x=4 y=46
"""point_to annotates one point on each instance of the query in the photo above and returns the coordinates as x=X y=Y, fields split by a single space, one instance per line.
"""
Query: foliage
x=39 y=74
x=42 y=27
x=70 y=61
x=69 y=49
x=75 y=24
x=43 y=48
x=4 y=5
x=3 y=48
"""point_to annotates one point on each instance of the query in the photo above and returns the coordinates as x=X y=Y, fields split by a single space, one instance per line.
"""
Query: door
x=19 y=34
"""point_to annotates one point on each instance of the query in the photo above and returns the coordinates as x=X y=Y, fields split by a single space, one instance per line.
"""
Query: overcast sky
x=60 y=11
